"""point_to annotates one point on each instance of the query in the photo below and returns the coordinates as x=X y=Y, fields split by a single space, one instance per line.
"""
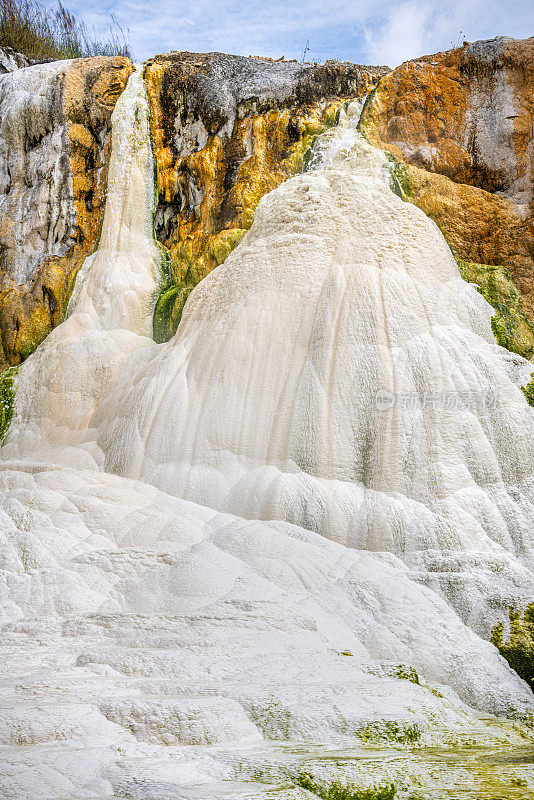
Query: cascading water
x=117 y=284
x=110 y=311
x=175 y=519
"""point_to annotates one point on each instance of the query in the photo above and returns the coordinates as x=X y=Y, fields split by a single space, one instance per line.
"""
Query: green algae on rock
x=340 y=790
x=399 y=180
x=518 y=649
x=528 y=391
x=391 y=731
x=406 y=673
x=7 y=399
x=168 y=311
x=511 y=327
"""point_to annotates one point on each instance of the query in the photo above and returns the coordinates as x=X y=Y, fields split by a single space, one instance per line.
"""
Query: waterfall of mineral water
x=117 y=284
x=339 y=140
x=110 y=312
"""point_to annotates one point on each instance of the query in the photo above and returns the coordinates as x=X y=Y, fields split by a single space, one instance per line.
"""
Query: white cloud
x=403 y=34
x=420 y=27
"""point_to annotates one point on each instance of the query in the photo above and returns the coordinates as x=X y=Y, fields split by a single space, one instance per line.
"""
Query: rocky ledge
x=227 y=130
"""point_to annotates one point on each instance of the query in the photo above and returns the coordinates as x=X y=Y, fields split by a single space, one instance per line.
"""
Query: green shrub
x=518 y=650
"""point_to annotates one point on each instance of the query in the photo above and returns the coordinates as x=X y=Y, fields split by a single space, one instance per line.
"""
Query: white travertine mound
x=131 y=617
x=81 y=542
x=224 y=540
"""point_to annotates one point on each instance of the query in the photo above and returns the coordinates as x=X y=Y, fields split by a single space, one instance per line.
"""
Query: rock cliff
x=227 y=130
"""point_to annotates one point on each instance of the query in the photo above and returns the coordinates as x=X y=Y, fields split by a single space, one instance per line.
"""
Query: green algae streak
x=518 y=649
x=7 y=399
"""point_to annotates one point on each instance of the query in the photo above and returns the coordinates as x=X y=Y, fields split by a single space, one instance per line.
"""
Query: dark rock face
x=10 y=60
x=227 y=129
x=216 y=88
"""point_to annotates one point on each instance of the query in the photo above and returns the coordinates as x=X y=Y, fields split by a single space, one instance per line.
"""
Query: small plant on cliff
x=518 y=650
x=39 y=32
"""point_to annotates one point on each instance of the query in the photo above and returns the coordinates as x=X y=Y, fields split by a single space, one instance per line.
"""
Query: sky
x=362 y=31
